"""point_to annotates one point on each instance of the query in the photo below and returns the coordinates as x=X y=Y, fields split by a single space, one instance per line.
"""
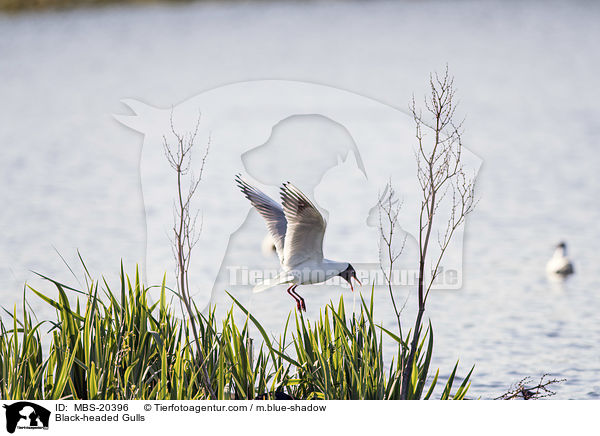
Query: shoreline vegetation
x=119 y=346
x=15 y=6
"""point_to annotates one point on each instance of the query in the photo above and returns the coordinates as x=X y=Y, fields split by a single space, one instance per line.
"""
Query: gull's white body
x=309 y=272
x=559 y=263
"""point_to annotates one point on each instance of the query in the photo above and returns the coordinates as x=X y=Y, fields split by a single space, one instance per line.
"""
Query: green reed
x=118 y=346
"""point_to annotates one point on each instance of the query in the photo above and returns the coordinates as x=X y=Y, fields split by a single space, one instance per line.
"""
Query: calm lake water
x=526 y=75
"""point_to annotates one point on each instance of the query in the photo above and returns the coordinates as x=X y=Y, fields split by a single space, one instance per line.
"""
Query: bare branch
x=535 y=392
x=441 y=179
x=388 y=207
x=185 y=231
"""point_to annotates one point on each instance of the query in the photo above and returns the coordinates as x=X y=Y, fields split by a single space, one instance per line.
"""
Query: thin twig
x=441 y=177
x=535 y=392
x=185 y=231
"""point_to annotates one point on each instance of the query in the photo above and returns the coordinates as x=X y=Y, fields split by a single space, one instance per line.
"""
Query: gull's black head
x=349 y=273
x=562 y=246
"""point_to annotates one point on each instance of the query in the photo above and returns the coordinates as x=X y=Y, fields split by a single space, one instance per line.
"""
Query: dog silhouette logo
x=26 y=415
x=340 y=148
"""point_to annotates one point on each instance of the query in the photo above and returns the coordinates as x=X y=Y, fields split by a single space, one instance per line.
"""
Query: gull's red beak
x=348 y=274
x=350 y=281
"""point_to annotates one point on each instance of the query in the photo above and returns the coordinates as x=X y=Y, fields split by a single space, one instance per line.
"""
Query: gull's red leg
x=301 y=306
x=291 y=292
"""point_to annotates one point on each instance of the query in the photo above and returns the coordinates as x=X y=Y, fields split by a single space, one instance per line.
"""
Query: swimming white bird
x=297 y=229
x=559 y=263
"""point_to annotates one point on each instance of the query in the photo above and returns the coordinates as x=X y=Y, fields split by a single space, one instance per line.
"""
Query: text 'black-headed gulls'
x=297 y=229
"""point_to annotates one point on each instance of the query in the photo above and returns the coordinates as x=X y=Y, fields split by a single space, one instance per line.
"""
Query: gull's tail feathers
x=271 y=283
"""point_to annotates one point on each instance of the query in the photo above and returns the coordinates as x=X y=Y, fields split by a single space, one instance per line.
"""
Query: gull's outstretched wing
x=270 y=210
x=305 y=228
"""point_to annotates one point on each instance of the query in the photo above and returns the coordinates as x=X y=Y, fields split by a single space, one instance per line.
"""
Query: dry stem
x=440 y=173
x=531 y=393
x=185 y=231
